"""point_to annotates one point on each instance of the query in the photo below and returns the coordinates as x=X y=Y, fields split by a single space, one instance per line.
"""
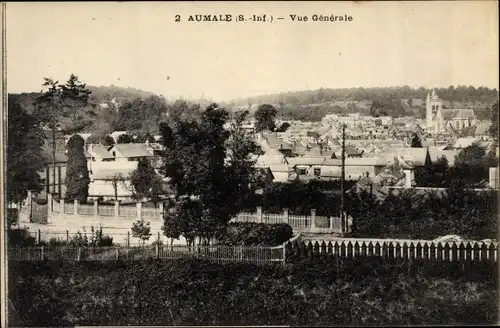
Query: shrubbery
x=255 y=234
x=415 y=215
x=361 y=291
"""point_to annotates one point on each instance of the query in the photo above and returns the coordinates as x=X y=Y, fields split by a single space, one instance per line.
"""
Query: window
x=302 y=171
x=317 y=172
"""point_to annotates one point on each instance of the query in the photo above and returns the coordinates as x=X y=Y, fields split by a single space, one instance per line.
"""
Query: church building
x=441 y=119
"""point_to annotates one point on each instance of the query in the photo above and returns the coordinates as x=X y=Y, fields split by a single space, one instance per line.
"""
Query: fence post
x=117 y=208
x=157 y=250
x=313 y=218
x=96 y=207
x=50 y=205
x=41 y=254
x=161 y=208
x=259 y=214
x=138 y=206
x=38 y=236
x=67 y=236
x=128 y=238
x=158 y=237
x=75 y=207
x=285 y=216
x=284 y=255
x=79 y=254
x=117 y=253
x=63 y=207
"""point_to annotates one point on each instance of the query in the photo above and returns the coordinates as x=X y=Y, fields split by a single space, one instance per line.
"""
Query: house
x=104 y=181
x=131 y=152
x=278 y=166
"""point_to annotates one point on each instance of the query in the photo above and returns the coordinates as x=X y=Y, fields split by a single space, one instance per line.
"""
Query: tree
x=115 y=180
x=24 y=153
x=141 y=230
x=125 y=139
x=145 y=138
x=145 y=182
x=93 y=139
x=77 y=112
x=415 y=141
x=208 y=167
x=77 y=174
x=265 y=116
x=472 y=166
x=108 y=141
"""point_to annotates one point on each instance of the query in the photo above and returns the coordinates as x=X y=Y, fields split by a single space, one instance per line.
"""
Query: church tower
x=433 y=105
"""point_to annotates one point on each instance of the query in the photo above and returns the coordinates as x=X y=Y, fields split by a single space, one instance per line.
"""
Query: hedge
x=362 y=291
x=255 y=234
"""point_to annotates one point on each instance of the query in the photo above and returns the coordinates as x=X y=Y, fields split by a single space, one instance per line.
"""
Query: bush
x=255 y=234
x=20 y=238
x=361 y=291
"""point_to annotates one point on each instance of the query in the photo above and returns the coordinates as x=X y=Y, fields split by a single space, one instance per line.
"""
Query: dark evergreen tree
x=77 y=174
x=24 y=153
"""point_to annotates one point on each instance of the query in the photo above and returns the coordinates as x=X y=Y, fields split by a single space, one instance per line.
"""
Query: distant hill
x=400 y=101
x=100 y=94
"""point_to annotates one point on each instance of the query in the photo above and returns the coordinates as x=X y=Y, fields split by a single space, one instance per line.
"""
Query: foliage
x=108 y=141
x=494 y=122
x=255 y=234
x=415 y=141
x=145 y=182
x=321 y=292
x=265 y=117
x=20 y=238
x=435 y=174
x=65 y=106
x=77 y=174
x=140 y=115
x=145 y=137
x=210 y=170
x=411 y=214
x=124 y=139
x=24 y=153
x=141 y=230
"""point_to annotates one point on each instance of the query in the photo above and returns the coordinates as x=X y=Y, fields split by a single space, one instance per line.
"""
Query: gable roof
x=451 y=113
x=99 y=151
x=483 y=129
x=317 y=160
x=132 y=150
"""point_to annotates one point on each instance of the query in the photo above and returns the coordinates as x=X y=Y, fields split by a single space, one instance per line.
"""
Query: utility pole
x=342 y=178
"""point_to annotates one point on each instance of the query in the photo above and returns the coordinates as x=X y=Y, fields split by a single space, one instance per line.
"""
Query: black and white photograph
x=246 y=163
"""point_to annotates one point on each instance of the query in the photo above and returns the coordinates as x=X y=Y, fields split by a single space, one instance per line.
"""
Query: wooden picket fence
x=217 y=254
x=394 y=248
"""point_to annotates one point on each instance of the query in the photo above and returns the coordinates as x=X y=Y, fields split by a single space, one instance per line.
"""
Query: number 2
x=177 y=18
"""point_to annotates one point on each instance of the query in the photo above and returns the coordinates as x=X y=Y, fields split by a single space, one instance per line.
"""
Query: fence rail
x=405 y=249
x=218 y=254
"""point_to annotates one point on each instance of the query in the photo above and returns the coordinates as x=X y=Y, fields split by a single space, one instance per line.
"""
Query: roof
x=483 y=128
x=451 y=113
x=317 y=160
x=267 y=160
x=99 y=151
x=132 y=150
x=280 y=168
x=464 y=142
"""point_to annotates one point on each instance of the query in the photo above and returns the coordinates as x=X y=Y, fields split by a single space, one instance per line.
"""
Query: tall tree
x=77 y=111
x=24 y=152
x=145 y=182
x=77 y=174
x=208 y=170
x=265 y=116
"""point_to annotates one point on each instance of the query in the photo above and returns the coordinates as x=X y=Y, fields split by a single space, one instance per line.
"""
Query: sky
x=131 y=44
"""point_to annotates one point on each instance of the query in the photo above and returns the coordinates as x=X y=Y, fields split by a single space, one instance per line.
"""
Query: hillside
x=395 y=101
x=100 y=94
